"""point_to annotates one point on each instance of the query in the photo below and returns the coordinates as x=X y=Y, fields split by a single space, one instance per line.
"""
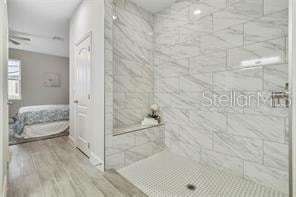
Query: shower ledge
x=133 y=128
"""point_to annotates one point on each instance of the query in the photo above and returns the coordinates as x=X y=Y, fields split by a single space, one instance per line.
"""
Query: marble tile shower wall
x=127 y=148
x=133 y=63
x=205 y=46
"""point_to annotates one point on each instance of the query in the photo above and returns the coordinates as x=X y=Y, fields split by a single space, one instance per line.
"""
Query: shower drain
x=191 y=187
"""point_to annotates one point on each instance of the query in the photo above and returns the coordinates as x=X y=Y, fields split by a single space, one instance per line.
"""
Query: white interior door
x=83 y=66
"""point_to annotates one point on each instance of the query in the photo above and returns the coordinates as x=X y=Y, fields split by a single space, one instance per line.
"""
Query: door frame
x=4 y=152
x=86 y=36
x=292 y=90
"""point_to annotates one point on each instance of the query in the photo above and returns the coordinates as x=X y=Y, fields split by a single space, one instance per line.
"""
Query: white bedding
x=39 y=115
x=45 y=129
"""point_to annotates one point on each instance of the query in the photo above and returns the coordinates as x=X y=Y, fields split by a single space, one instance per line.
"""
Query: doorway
x=83 y=96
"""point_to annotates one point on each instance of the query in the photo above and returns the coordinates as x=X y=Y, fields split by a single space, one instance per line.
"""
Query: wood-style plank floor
x=54 y=168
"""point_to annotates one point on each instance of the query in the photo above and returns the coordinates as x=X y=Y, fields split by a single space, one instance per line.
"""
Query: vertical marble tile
x=126 y=117
x=239 y=80
x=115 y=161
x=244 y=148
x=108 y=123
x=138 y=153
x=128 y=19
x=161 y=54
x=173 y=68
x=237 y=12
x=276 y=179
x=171 y=133
x=270 y=26
x=196 y=137
x=147 y=70
x=287 y=49
x=260 y=54
x=137 y=100
x=209 y=62
x=119 y=3
x=120 y=143
x=160 y=21
x=133 y=51
x=194 y=29
x=124 y=84
x=209 y=121
x=287 y=131
x=186 y=49
x=185 y=150
x=203 y=8
x=158 y=145
x=167 y=85
x=119 y=100
x=224 y=162
x=170 y=20
x=196 y=82
x=227 y=38
x=276 y=155
x=185 y=100
x=133 y=8
x=166 y=39
x=258 y=127
x=175 y=116
x=179 y=12
x=146 y=135
x=275 y=77
x=126 y=67
x=179 y=5
x=271 y=6
x=108 y=81
x=162 y=99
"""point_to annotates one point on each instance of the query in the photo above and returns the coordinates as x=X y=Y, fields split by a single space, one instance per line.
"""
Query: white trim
x=4 y=192
x=96 y=161
x=72 y=141
x=292 y=89
x=3 y=96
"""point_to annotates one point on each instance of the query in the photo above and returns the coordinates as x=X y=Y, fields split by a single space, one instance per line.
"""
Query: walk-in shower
x=218 y=70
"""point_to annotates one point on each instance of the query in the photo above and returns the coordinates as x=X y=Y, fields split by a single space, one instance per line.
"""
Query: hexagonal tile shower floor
x=168 y=175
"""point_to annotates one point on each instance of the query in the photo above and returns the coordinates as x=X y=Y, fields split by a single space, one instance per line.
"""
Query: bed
x=40 y=121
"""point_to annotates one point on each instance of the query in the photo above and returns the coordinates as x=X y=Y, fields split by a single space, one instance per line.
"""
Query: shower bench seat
x=133 y=128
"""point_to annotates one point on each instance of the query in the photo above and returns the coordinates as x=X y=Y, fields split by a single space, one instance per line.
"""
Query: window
x=14 y=80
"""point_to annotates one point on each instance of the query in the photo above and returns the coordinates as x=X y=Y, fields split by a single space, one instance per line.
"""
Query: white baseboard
x=73 y=141
x=96 y=161
x=4 y=192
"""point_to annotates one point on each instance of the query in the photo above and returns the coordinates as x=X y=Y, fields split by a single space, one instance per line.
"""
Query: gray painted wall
x=33 y=67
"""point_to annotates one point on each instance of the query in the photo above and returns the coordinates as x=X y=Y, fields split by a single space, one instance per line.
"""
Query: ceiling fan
x=15 y=39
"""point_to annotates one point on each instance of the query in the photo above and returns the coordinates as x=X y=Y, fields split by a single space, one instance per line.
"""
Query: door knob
x=9 y=102
x=76 y=101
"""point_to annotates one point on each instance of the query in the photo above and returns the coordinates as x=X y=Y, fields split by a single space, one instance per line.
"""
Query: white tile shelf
x=133 y=128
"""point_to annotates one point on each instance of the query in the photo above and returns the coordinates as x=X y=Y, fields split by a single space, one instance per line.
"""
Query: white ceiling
x=41 y=20
x=154 y=6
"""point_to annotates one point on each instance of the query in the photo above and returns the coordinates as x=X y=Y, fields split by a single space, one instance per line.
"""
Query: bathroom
x=216 y=75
